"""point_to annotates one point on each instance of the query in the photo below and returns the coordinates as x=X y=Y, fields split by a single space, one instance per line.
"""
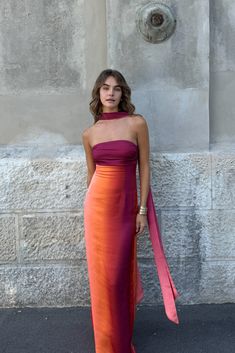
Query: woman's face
x=110 y=95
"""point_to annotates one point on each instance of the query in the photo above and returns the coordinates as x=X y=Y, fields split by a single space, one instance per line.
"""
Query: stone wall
x=43 y=262
x=51 y=53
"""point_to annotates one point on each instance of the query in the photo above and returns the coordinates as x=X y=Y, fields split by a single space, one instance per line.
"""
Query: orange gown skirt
x=110 y=209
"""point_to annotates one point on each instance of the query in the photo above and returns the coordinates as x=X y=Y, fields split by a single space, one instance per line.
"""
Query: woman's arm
x=89 y=158
x=144 y=169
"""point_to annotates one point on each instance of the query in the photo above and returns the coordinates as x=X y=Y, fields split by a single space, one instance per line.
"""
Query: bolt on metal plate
x=155 y=22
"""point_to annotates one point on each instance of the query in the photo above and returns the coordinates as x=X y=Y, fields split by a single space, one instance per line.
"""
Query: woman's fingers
x=140 y=226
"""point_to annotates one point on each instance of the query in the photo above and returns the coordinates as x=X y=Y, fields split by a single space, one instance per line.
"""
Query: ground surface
x=202 y=329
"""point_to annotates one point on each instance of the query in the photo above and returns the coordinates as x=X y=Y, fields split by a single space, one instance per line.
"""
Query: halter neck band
x=112 y=115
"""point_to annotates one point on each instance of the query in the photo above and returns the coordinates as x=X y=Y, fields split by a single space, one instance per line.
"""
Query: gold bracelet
x=143 y=210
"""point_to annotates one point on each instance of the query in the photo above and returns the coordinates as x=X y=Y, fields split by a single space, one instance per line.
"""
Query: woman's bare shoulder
x=86 y=134
x=138 y=120
x=88 y=131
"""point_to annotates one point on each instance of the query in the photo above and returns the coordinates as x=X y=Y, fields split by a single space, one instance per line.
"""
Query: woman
x=114 y=144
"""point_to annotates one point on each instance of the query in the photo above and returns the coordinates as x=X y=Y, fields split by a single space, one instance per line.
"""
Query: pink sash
x=169 y=292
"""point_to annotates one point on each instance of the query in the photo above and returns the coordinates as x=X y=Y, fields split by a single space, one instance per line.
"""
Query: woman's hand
x=141 y=222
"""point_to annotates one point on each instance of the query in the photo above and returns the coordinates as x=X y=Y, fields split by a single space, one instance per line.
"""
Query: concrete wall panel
x=43 y=45
x=223 y=181
x=218 y=282
x=8 y=231
x=222 y=71
x=48 y=64
x=52 y=237
x=42 y=184
x=181 y=180
x=175 y=73
x=54 y=285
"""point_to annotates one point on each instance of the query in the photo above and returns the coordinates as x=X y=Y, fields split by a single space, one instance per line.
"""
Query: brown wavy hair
x=125 y=104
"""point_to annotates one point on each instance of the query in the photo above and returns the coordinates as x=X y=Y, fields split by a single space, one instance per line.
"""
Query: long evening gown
x=110 y=209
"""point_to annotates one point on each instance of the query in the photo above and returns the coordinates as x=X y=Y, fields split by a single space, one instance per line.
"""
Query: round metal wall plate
x=155 y=22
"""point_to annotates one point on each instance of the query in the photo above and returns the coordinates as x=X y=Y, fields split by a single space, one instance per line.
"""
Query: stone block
x=52 y=237
x=181 y=180
x=2 y=288
x=223 y=180
x=181 y=233
x=144 y=245
x=186 y=274
x=218 y=235
x=205 y=234
x=42 y=183
x=55 y=286
x=8 y=238
x=217 y=282
x=150 y=283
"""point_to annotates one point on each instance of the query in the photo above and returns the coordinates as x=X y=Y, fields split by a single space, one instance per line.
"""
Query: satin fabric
x=110 y=209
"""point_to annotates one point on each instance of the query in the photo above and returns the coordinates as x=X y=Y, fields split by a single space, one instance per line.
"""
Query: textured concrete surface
x=52 y=237
x=51 y=53
x=47 y=68
x=39 y=36
x=42 y=248
x=42 y=183
x=222 y=71
x=44 y=285
x=182 y=179
x=8 y=226
x=223 y=173
x=202 y=329
x=170 y=80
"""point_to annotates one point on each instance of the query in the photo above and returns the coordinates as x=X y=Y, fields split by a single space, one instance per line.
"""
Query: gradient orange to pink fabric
x=110 y=209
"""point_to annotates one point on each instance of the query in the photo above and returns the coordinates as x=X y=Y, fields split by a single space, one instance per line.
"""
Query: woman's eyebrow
x=105 y=84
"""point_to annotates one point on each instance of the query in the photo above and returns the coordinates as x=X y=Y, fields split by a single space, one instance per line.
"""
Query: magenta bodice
x=118 y=152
